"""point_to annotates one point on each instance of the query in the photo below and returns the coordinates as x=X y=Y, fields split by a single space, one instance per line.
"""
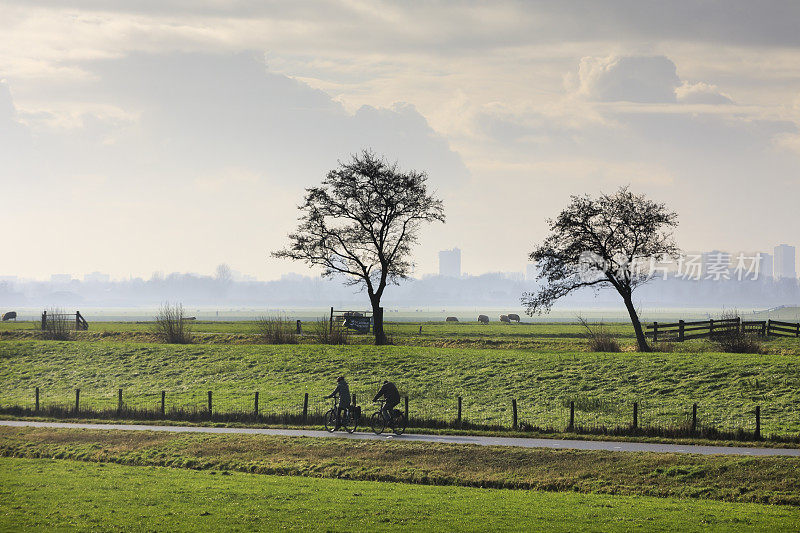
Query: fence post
x=459 y=411
x=305 y=405
x=210 y=405
x=119 y=401
x=710 y=327
x=44 y=320
x=163 y=403
x=37 y=398
x=655 y=331
x=406 y=401
x=255 y=404
x=769 y=326
x=514 y=411
x=635 y=415
x=299 y=329
x=571 y=416
x=694 y=417
x=330 y=323
x=764 y=329
x=758 y=421
x=77 y=400
x=681 y=326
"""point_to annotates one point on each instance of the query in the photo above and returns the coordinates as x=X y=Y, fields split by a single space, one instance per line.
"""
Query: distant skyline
x=138 y=137
x=449 y=264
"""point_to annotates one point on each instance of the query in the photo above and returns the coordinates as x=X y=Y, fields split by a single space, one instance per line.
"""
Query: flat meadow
x=111 y=480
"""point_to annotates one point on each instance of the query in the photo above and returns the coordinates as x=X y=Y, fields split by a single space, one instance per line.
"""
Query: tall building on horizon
x=765 y=266
x=784 y=264
x=450 y=263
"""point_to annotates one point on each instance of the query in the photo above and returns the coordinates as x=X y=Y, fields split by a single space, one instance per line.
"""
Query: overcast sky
x=177 y=135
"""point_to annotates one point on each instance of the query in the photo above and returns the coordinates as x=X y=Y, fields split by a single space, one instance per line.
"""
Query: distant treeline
x=495 y=289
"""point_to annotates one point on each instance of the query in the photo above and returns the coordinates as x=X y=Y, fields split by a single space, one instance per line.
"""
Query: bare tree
x=361 y=222
x=603 y=242
x=223 y=273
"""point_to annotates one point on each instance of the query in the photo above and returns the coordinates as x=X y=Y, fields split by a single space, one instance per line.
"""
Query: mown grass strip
x=114 y=497
x=736 y=479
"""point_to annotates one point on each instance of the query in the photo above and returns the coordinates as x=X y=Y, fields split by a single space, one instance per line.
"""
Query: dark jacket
x=390 y=392
x=343 y=391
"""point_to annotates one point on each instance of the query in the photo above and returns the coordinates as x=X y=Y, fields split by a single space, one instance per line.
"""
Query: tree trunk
x=637 y=325
x=377 y=323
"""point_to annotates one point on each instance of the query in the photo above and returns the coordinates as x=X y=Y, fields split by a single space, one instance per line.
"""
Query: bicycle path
x=520 y=442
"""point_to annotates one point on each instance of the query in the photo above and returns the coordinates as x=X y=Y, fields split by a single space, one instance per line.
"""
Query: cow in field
x=451 y=319
x=483 y=319
x=504 y=318
x=11 y=315
x=513 y=317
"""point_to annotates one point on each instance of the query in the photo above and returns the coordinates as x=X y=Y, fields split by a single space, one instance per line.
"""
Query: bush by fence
x=580 y=414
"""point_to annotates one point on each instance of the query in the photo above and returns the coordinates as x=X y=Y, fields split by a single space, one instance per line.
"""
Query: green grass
x=726 y=478
x=115 y=497
x=550 y=337
x=726 y=386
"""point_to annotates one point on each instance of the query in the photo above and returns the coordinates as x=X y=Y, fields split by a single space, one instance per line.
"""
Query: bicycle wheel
x=399 y=423
x=377 y=423
x=350 y=422
x=330 y=420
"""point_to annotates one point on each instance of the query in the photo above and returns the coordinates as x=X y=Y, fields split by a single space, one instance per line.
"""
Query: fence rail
x=683 y=330
x=576 y=414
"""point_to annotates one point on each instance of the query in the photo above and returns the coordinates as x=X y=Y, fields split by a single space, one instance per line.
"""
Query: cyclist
x=342 y=390
x=392 y=395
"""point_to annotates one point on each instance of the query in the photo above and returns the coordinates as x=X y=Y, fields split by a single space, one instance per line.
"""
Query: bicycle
x=397 y=422
x=349 y=419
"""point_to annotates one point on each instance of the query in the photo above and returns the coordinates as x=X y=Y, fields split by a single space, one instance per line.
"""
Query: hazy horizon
x=172 y=137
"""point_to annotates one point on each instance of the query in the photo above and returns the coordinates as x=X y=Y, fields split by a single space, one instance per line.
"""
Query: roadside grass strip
x=769 y=480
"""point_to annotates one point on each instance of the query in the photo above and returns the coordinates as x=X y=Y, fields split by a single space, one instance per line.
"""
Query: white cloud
x=701 y=93
x=643 y=79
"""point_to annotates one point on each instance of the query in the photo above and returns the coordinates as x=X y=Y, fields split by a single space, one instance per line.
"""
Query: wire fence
x=578 y=414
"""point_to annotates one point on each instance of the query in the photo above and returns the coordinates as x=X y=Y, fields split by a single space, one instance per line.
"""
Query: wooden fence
x=75 y=320
x=684 y=330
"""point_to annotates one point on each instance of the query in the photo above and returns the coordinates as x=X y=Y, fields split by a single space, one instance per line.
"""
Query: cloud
x=642 y=79
x=701 y=93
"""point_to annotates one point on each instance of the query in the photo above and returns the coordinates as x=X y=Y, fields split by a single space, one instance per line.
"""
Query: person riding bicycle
x=342 y=390
x=392 y=395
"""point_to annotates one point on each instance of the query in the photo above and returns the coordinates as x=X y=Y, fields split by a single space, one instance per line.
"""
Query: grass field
x=603 y=386
x=115 y=497
x=769 y=479
x=547 y=337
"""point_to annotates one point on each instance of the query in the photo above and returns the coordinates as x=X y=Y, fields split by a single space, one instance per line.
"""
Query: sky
x=176 y=135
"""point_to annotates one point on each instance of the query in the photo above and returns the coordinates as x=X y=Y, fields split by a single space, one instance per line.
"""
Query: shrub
x=738 y=342
x=325 y=334
x=57 y=327
x=734 y=340
x=277 y=330
x=172 y=326
x=600 y=340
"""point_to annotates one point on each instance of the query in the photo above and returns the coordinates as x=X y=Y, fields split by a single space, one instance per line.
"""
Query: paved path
x=560 y=444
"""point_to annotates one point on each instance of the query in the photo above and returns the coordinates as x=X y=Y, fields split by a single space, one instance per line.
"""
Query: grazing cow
x=451 y=319
x=513 y=317
x=483 y=319
x=504 y=318
x=11 y=315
